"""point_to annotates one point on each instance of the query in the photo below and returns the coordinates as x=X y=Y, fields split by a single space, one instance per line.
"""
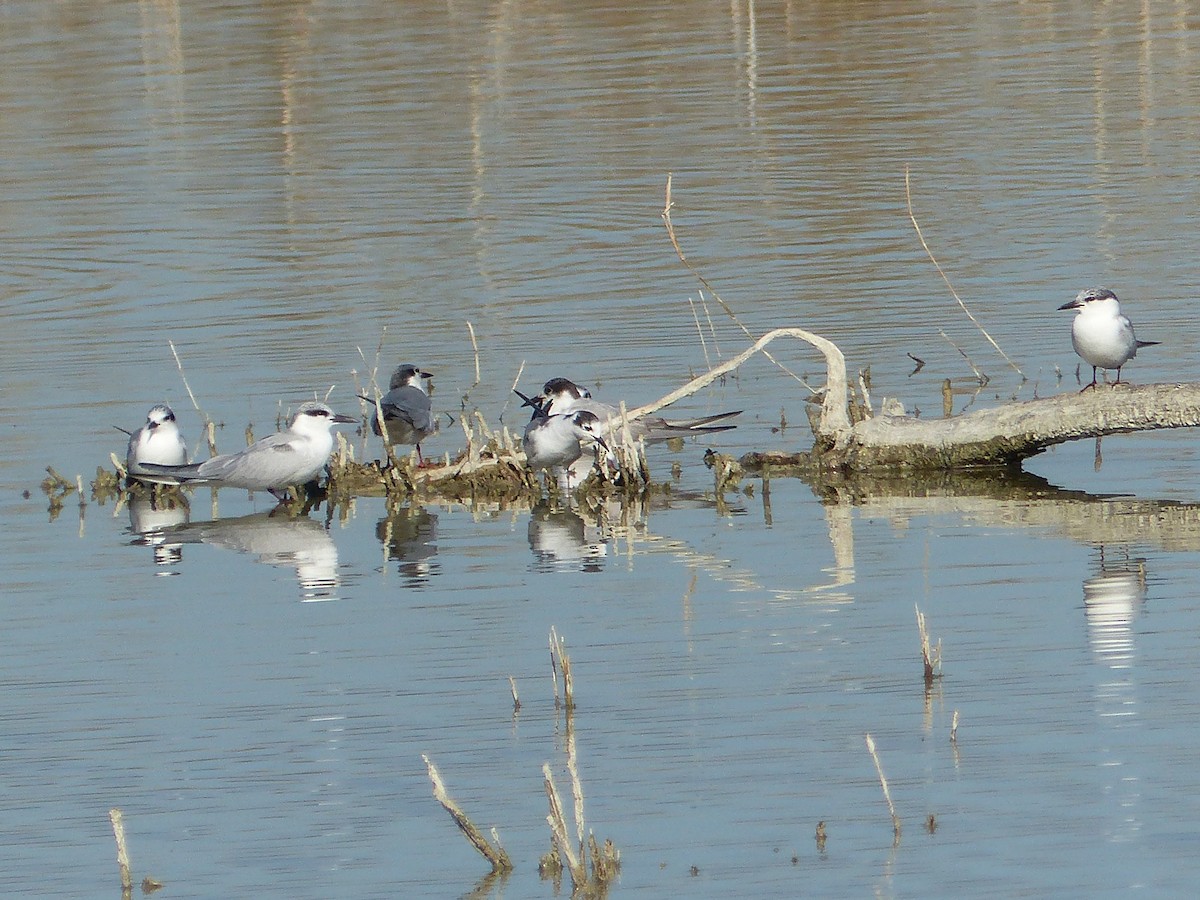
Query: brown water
x=286 y=190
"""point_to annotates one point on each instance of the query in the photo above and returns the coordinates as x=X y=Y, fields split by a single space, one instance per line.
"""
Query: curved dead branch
x=835 y=415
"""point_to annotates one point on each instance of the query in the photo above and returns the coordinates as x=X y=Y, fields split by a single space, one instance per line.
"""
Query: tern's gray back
x=275 y=460
x=408 y=412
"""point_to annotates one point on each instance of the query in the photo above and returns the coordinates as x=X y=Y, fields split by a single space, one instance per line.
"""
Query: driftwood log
x=1003 y=436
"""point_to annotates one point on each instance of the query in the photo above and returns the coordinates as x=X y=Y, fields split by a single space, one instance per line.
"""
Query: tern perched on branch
x=1100 y=334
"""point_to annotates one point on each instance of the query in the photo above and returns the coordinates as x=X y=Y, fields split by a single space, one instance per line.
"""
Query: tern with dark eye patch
x=561 y=395
x=156 y=442
x=1101 y=335
x=554 y=441
x=294 y=456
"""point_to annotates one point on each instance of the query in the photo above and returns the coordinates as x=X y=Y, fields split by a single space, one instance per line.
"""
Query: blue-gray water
x=271 y=186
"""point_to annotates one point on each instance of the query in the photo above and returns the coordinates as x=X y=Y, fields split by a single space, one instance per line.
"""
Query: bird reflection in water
x=561 y=539
x=152 y=516
x=409 y=535
x=277 y=539
x=1112 y=599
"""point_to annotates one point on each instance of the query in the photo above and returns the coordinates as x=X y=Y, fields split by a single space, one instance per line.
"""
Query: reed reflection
x=409 y=535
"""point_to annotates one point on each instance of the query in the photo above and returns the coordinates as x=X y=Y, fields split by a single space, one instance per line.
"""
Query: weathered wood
x=1006 y=435
x=1002 y=436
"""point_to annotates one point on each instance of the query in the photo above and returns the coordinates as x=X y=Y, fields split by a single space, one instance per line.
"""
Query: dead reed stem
x=668 y=205
x=496 y=855
x=834 y=414
x=700 y=331
x=558 y=830
x=475 y=348
x=932 y=657
x=913 y=218
x=887 y=794
x=117 y=818
x=183 y=376
x=561 y=660
x=377 y=396
x=979 y=376
x=573 y=771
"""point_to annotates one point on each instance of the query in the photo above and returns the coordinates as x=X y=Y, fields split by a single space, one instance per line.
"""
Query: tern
x=561 y=395
x=553 y=441
x=1100 y=334
x=407 y=409
x=274 y=463
x=158 y=441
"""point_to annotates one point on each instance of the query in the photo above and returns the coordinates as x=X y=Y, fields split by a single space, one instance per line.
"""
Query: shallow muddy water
x=293 y=194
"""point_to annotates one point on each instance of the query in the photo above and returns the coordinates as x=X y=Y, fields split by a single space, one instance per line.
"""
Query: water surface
x=296 y=194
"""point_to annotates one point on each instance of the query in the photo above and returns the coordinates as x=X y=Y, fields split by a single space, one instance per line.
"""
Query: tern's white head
x=315 y=418
x=1095 y=300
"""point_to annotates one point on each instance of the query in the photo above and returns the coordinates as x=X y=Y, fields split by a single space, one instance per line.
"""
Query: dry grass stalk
x=887 y=794
x=932 y=657
x=495 y=855
x=700 y=331
x=573 y=771
x=561 y=660
x=475 y=348
x=209 y=428
x=117 y=818
x=668 y=205
x=833 y=406
x=913 y=218
x=558 y=830
x=979 y=376
x=377 y=398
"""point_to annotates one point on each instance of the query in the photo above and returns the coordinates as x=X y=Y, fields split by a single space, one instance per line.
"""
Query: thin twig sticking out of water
x=887 y=794
x=377 y=396
x=606 y=862
x=666 y=217
x=913 y=218
x=558 y=829
x=932 y=657
x=496 y=855
x=700 y=331
x=475 y=348
x=149 y=885
x=210 y=432
x=117 y=818
x=560 y=659
x=979 y=376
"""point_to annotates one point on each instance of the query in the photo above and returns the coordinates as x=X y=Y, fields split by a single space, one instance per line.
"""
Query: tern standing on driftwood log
x=1101 y=335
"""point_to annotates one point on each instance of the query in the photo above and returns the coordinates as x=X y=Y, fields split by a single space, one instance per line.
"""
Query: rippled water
x=293 y=194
